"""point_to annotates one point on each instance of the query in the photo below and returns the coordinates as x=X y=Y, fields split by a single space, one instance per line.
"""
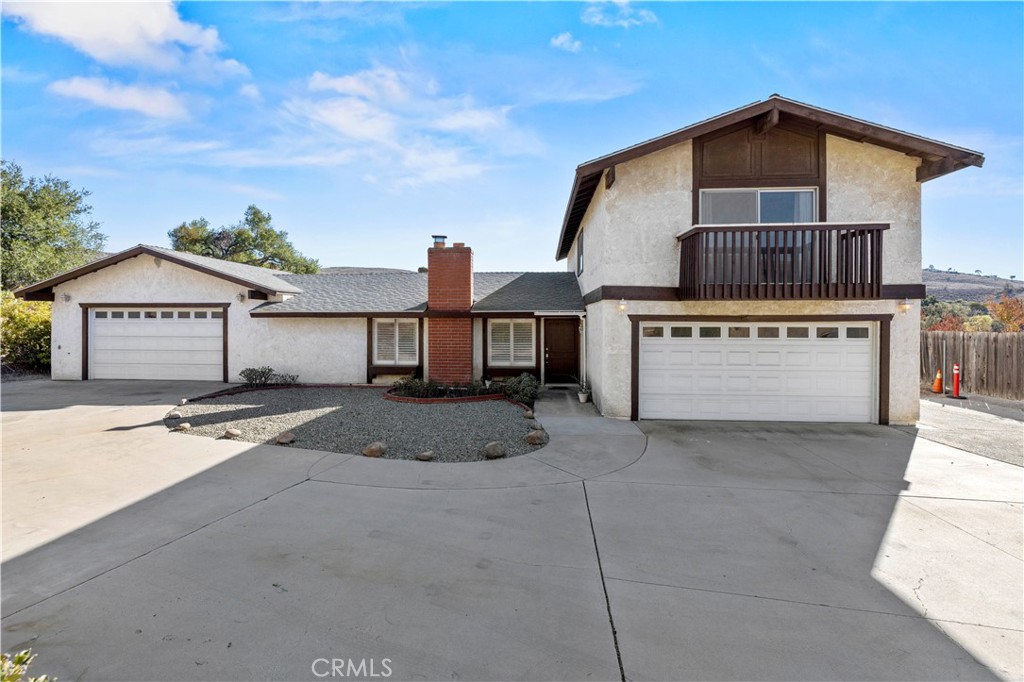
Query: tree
x=253 y=241
x=1013 y=277
x=978 y=323
x=1008 y=310
x=977 y=272
x=45 y=227
x=949 y=323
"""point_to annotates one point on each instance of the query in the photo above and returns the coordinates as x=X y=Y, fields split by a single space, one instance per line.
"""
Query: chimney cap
x=439 y=237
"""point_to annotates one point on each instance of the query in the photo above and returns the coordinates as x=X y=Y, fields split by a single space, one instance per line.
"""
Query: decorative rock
x=537 y=437
x=232 y=433
x=285 y=438
x=183 y=401
x=183 y=426
x=494 y=450
x=528 y=414
x=374 y=449
x=173 y=414
x=427 y=456
x=536 y=426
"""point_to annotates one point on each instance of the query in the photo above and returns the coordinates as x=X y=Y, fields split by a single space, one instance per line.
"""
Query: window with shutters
x=396 y=342
x=511 y=343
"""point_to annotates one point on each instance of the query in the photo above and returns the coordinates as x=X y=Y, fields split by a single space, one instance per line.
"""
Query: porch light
x=241 y=297
x=622 y=305
x=905 y=305
x=66 y=297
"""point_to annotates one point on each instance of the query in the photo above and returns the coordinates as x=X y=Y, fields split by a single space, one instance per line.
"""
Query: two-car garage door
x=798 y=371
x=157 y=343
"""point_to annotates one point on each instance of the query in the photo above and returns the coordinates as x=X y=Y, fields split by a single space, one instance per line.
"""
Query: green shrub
x=412 y=387
x=266 y=376
x=522 y=389
x=24 y=332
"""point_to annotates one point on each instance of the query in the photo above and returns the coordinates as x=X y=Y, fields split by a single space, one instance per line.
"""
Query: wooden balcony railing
x=818 y=261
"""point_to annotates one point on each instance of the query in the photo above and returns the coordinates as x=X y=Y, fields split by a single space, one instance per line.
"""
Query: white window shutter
x=501 y=343
x=522 y=343
x=385 y=342
x=407 y=351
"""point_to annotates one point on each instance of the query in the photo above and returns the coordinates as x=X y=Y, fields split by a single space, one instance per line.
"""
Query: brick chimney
x=450 y=289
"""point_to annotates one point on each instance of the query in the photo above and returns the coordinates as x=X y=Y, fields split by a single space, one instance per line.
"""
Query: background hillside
x=953 y=286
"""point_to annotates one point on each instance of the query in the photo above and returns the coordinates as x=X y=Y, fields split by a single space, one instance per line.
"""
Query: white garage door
x=159 y=343
x=799 y=371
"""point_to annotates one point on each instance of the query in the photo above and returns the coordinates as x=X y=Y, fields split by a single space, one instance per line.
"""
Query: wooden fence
x=990 y=364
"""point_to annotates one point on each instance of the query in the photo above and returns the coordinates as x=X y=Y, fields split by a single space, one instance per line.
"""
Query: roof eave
x=33 y=292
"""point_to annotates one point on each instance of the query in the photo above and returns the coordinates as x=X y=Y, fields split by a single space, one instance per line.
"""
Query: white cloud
x=380 y=83
x=142 y=34
x=251 y=91
x=153 y=102
x=617 y=13
x=470 y=118
x=564 y=41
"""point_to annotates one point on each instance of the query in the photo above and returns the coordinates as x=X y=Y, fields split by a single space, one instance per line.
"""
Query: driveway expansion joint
x=604 y=586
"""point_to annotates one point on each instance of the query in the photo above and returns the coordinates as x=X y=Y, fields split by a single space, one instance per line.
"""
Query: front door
x=561 y=350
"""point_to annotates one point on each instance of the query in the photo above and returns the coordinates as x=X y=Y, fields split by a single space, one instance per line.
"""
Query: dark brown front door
x=561 y=350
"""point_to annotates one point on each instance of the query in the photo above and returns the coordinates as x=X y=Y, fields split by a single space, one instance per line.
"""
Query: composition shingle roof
x=264 y=277
x=388 y=292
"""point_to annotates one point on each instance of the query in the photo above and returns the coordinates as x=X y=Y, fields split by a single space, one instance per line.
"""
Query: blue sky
x=365 y=128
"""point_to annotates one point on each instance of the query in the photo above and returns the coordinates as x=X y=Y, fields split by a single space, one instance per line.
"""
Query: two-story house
x=764 y=264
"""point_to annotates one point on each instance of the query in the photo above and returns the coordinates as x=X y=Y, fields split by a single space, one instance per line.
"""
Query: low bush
x=24 y=332
x=14 y=668
x=266 y=376
x=522 y=389
x=421 y=388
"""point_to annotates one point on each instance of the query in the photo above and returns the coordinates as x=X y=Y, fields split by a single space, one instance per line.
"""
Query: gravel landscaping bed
x=345 y=420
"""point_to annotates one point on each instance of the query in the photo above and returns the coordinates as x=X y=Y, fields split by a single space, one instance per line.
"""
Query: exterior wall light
x=905 y=305
x=241 y=297
x=622 y=306
x=66 y=298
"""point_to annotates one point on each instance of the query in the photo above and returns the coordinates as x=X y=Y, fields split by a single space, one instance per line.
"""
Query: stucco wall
x=609 y=344
x=867 y=183
x=318 y=350
x=630 y=229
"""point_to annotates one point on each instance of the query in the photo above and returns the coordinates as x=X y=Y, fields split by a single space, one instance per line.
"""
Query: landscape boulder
x=374 y=449
x=232 y=433
x=286 y=438
x=494 y=450
x=427 y=456
x=537 y=437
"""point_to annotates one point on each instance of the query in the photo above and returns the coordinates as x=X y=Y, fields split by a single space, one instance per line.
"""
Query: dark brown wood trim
x=97 y=265
x=257 y=295
x=369 y=349
x=901 y=291
x=224 y=342
x=822 y=178
x=884 y=324
x=634 y=369
x=631 y=293
x=154 y=305
x=767 y=121
x=537 y=358
x=609 y=178
x=419 y=350
x=37 y=296
x=85 y=344
x=883 y=369
x=484 y=371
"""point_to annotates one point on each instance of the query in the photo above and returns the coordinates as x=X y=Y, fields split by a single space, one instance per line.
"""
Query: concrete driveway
x=669 y=551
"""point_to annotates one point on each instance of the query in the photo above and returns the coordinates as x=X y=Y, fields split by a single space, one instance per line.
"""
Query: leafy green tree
x=46 y=227
x=24 y=332
x=253 y=241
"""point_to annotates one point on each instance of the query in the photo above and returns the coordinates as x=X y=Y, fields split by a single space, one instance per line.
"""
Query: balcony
x=773 y=262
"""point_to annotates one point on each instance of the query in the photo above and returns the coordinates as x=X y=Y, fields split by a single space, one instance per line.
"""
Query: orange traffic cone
x=937 y=384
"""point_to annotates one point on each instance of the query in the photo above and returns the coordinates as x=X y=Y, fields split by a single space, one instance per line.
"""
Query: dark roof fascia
x=46 y=286
x=938 y=158
x=418 y=314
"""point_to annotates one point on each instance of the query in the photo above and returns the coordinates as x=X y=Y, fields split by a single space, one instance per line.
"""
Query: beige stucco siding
x=867 y=183
x=629 y=229
x=609 y=344
x=318 y=350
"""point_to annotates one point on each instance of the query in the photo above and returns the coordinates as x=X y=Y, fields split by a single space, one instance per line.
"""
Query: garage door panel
x=179 y=346
x=741 y=376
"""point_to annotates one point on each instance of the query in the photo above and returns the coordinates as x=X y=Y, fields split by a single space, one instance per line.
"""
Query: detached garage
x=822 y=371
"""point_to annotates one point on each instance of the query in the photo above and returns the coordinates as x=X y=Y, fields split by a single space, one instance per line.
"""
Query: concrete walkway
x=669 y=551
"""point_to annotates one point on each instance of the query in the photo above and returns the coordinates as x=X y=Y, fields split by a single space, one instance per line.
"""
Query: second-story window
x=753 y=206
x=579 y=255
